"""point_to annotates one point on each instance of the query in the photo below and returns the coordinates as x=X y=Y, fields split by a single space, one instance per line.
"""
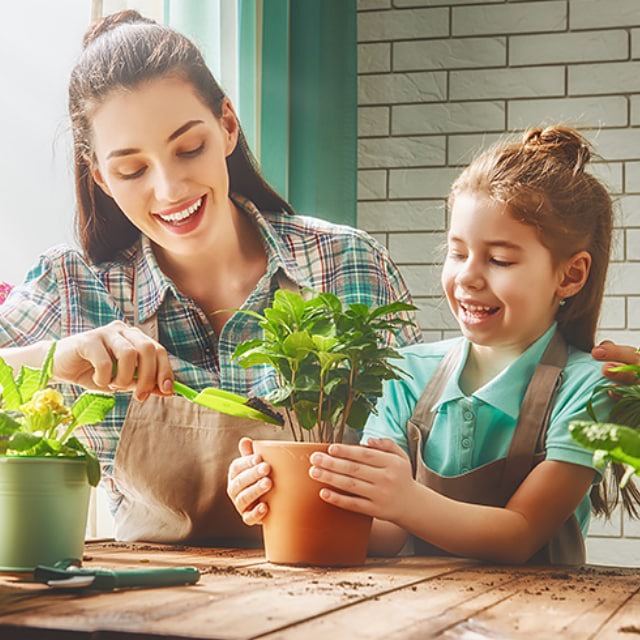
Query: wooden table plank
x=242 y=597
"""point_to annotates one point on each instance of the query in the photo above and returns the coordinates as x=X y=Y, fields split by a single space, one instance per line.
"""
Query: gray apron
x=495 y=482
x=171 y=467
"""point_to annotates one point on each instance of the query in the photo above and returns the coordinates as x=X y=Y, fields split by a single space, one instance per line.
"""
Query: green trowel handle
x=108 y=579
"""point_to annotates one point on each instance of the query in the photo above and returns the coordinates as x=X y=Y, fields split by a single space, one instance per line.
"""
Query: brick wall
x=441 y=79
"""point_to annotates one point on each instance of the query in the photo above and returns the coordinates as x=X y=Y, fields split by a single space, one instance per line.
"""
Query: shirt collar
x=153 y=284
x=506 y=391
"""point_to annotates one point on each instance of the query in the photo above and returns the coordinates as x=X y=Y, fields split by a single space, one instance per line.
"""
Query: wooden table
x=240 y=595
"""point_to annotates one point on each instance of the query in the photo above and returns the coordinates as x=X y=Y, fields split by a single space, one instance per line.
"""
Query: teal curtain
x=199 y=20
x=298 y=100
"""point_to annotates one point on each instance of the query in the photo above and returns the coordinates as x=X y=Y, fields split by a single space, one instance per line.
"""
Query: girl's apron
x=495 y=482
x=171 y=467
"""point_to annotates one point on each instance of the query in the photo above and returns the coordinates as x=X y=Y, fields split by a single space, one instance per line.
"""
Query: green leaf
x=280 y=395
x=91 y=459
x=358 y=415
x=9 y=422
x=11 y=398
x=91 y=407
x=21 y=441
x=28 y=382
x=298 y=345
x=621 y=443
x=307 y=413
x=392 y=308
x=46 y=371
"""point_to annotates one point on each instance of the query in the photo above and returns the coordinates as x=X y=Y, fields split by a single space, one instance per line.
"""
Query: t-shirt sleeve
x=580 y=380
x=31 y=312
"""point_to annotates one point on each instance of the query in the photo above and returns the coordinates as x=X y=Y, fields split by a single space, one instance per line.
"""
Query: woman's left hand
x=375 y=480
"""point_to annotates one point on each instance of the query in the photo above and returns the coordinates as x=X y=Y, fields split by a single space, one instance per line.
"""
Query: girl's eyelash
x=501 y=263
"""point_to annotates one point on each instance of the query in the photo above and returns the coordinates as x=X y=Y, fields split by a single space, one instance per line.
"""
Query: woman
x=177 y=227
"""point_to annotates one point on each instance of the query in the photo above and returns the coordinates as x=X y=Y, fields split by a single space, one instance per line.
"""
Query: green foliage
x=329 y=360
x=617 y=440
x=34 y=421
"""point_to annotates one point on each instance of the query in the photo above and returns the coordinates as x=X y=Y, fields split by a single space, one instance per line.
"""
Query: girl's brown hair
x=122 y=51
x=542 y=181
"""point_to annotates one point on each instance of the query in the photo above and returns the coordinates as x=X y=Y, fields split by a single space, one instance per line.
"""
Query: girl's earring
x=563 y=302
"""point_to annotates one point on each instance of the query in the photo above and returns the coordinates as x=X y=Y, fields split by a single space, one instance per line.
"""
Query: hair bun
x=110 y=22
x=563 y=142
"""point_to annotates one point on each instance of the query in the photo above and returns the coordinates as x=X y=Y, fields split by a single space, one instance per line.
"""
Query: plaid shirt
x=64 y=295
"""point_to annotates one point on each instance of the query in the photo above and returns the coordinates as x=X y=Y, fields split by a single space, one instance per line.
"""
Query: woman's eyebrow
x=183 y=129
x=176 y=134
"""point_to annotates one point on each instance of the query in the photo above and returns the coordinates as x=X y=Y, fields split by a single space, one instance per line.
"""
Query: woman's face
x=160 y=153
x=500 y=280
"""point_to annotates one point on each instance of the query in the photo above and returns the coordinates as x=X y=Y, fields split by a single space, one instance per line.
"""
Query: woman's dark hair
x=123 y=50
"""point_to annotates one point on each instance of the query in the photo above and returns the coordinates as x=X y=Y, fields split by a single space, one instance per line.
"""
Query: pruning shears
x=68 y=574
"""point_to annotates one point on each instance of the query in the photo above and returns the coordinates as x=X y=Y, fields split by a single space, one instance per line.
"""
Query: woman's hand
x=115 y=357
x=247 y=481
x=375 y=480
x=614 y=355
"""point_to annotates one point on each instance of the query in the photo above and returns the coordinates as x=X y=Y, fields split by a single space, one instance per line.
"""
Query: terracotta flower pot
x=300 y=527
x=43 y=506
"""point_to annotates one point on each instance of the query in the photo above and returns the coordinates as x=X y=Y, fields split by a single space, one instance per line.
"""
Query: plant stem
x=347 y=408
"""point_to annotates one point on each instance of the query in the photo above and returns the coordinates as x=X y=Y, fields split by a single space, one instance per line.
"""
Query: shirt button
x=468 y=415
x=466 y=443
x=464 y=469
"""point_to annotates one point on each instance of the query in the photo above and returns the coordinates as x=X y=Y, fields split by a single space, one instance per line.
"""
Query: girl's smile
x=500 y=280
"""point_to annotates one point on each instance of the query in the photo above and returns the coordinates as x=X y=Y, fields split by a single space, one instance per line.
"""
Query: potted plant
x=617 y=440
x=45 y=472
x=331 y=364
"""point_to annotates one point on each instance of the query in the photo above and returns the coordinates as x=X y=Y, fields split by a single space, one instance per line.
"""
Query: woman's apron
x=171 y=467
x=494 y=483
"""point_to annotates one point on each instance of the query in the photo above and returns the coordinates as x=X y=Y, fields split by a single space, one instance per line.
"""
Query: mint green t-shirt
x=469 y=431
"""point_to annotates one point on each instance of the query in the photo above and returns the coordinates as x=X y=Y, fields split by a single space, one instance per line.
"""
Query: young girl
x=176 y=224
x=471 y=454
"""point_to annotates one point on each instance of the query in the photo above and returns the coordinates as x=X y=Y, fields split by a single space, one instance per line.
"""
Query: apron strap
x=535 y=413
x=423 y=415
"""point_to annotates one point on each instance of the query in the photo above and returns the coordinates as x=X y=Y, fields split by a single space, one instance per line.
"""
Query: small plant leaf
x=9 y=422
x=91 y=407
x=21 y=441
x=28 y=382
x=46 y=371
x=611 y=442
x=91 y=460
x=11 y=398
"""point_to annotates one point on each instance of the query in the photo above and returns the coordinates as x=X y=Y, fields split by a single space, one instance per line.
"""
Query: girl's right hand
x=248 y=480
x=115 y=357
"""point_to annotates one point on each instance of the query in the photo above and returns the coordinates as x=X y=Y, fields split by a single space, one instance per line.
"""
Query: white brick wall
x=440 y=80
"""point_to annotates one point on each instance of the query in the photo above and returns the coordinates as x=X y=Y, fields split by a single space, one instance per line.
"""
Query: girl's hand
x=247 y=482
x=115 y=357
x=614 y=355
x=375 y=480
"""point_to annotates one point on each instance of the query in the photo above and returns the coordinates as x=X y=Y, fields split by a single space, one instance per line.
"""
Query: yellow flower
x=48 y=402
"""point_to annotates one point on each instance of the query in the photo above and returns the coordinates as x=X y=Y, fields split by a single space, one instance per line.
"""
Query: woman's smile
x=184 y=218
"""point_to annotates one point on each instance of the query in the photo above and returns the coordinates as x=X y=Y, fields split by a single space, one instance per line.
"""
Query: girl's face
x=499 y=278
x=160 y=153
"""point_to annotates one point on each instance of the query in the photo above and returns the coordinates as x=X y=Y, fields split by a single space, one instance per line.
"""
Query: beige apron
x=171 y=467
x=495 y=482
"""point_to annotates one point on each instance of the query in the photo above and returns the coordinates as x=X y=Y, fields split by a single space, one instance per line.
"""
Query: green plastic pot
x=43 y=511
